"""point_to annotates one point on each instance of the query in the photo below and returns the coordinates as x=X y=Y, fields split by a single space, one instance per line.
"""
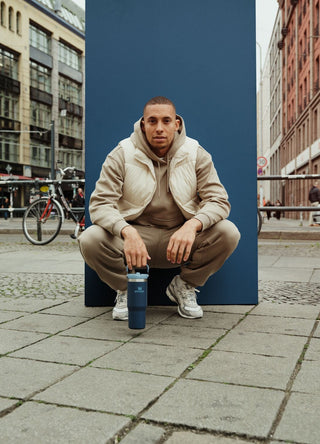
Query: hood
x=139 y=140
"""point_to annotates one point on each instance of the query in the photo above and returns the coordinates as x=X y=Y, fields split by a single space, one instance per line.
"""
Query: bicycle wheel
x=259 y=221
x=42 y=221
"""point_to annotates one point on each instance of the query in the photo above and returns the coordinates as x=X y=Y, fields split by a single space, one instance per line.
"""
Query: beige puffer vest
x=140 y=180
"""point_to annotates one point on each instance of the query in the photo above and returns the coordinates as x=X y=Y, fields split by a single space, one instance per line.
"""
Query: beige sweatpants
x=311 y=213
x=103 y=252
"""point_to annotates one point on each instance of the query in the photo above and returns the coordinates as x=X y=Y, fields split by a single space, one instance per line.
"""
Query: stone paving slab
x=42 y=323
x=315 y=276
x=268 y=260
x=67 y=350
x=269 y=324
x=76 y=308
x=244 y=369
x=300 y=421
x=285 y=274
x=99 y=328
x=34 y=423
x=21 y=378
x=317 y=332
x=144 y=434
x=286 y=310
x=191 y=336
x=9 y=315
x=218 y=407
x=297 y=262
x=6 y=404
x=241 y=309
x=308 y=378
x=262 y=344
x=154 y=315
x=313 y=351
x=197 y=438
x=33 y=262
x=25 y=304
x=106 y=390
x=11 y=340
x=155 y=359
x=210 y=320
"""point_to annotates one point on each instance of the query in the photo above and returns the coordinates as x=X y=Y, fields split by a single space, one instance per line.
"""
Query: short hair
x=159 y=100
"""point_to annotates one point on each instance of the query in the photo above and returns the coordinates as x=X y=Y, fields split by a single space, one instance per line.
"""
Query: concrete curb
x=290 y=235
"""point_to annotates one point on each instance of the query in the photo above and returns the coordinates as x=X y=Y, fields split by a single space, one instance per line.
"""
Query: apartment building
x=269 y=115
x=42 y=53
x=300 y=49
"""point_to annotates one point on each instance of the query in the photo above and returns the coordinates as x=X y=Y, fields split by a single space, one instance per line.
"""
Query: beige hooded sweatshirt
x=160 y=210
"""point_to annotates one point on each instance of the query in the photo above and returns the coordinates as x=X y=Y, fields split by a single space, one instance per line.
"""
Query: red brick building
x=300 y=144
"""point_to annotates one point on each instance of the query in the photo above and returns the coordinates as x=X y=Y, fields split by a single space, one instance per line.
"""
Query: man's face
x=159 y=125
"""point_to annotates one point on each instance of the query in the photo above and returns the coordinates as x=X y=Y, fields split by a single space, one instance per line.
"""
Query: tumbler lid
x=138 y=273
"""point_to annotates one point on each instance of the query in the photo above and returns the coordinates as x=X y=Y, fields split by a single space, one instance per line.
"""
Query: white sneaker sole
x=119 y=316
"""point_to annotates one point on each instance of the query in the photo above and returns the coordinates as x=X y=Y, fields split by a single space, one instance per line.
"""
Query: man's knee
x=228 y=233
x=90 y=239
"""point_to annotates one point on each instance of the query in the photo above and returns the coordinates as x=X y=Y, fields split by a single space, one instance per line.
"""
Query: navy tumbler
x=137 y=297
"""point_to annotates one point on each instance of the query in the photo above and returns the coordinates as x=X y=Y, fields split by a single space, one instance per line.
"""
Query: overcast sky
x=266 y=11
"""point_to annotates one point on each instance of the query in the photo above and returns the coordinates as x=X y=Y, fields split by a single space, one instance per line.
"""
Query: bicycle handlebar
x=64 y=171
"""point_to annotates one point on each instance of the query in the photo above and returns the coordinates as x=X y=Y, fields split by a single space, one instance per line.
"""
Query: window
x=40 y=77
x=69 y=90
x=40 y=114
x=68 y=157
x=9 y=148
x=8 y=64
x=3 y=14
x=40 y=154
x=71 y=126
x=9 y=106
x=69 y=56
x=18 y=23
x=10 y=17
x=40 y=39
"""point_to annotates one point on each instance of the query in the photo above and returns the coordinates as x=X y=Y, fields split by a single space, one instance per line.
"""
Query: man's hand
x=134 y=249
x=180 y=243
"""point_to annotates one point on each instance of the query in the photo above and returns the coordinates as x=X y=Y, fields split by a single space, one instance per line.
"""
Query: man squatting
x=159 y=201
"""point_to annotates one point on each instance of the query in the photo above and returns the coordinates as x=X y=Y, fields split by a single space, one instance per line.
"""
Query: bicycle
x=43 y=218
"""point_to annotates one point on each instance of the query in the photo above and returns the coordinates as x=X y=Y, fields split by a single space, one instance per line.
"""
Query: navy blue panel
x=200 y=54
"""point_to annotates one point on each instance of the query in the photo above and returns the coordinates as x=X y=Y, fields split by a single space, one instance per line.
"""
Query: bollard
x=137 y=297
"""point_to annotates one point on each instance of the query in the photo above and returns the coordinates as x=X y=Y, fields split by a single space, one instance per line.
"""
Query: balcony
x=9 y=124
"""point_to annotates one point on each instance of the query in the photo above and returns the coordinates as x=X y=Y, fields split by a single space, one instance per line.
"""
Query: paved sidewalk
x=287 y=229
x=242 y=374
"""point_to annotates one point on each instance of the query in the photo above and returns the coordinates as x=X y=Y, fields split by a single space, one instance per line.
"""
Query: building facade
x=42 y=53
x=300 y=53
x=269 y=116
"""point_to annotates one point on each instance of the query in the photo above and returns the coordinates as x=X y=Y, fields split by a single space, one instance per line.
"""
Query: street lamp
x=53 y=157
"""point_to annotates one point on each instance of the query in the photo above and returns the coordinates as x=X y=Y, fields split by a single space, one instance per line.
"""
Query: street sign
x=262 y=162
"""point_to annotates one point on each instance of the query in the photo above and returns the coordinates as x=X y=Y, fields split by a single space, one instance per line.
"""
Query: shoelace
x=120 y=298
x=190 y=297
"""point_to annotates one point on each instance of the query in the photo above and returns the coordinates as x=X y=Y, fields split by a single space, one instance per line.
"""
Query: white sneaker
x=120 y=310
x=185 y=296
